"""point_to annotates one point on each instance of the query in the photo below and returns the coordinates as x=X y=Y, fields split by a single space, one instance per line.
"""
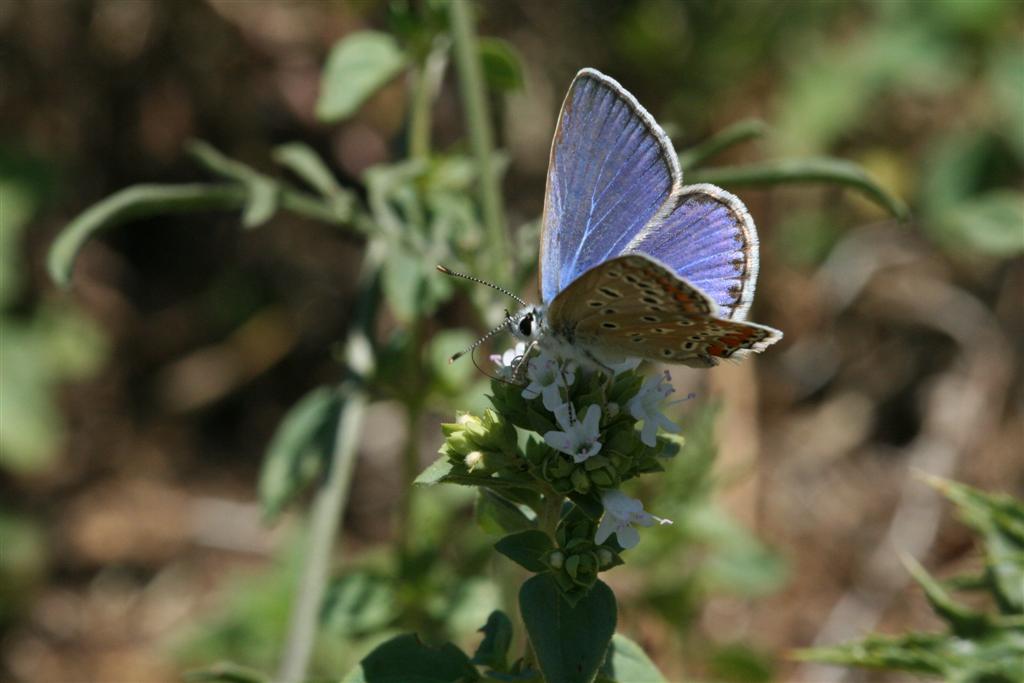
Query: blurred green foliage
x=853 y=81
x=977 y=647
x=45 y=342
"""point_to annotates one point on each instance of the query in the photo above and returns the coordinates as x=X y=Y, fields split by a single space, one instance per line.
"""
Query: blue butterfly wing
x=612 y=170
x=708 y=238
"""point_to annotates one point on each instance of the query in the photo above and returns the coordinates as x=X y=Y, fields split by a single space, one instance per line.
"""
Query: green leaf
x=526 y=548
x=493 y=650
x=452 y=377
x=498 y=515
x=991 y=223
x=131 y=203
x=307 y=164
x=1000 y=520
x=17 y=204
x=435 y=472
x=502 y=66
x=738 y=662
x=402 y=279
x=570 y=642
x=226 y=672
x=626 y=662
x=404 y=659
x=359 y=603
x=936 y=654
x=359 y=64
x=811 y=170
x=299 y=449
x=261 y=203
x=734 y=134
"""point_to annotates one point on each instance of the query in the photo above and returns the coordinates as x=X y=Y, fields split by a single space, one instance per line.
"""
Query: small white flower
x=506 y=361
x=620 y=513
x=577 y=438
x=547 y=377
x=646 y=406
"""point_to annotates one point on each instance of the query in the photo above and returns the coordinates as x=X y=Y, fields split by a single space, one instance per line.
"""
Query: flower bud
x=605 y=557
x=474 y=459
x=556 y=559
x=572 y=565
x=580 y=481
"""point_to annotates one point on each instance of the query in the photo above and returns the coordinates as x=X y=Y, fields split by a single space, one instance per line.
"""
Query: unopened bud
x=556 y=559
x=473 y=459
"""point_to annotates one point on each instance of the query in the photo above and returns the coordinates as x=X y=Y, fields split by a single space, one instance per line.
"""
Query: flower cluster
x=559 y=430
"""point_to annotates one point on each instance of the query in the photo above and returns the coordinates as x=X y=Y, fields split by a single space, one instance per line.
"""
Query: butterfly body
x=633 y=263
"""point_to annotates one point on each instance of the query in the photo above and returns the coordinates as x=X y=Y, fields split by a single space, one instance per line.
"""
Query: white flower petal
x=627 y=537
x=605 y=529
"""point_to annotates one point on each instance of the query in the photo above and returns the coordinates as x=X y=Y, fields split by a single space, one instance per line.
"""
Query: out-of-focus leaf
x=359 y=64
x=999 y=660
x=964 y=622
x=402 y=280
x=741 y=664
x=1000 y=521
x=16 y=208
x=469 y=604
x=132 y=203
x=307 y=164
x=261 y=204
x=1006 y=81
x=404 y=659
x=828 y=96
x=626 y=662
x=991 y=223
x=493 y=649
x=498 y=515
x=22 y=563
x=299 y=449
x=977 y=647
x=740 y=563
x=811 y=170
x=570 y=641
x=57 y=344
x=734 y=134
x=226 y=672
x=503 y=68
x=525 y=548
x=452 y=377
x=358 y=603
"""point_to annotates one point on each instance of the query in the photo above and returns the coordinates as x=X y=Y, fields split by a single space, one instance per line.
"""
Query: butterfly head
x=528 y=324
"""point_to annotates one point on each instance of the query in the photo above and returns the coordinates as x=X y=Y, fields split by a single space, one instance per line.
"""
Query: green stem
x=547 y=521
x=481 y=138
x=550 y=513
x=813 y=170
x=426 y=83
x=733 y=135
x=410 y=454
x=329 y=503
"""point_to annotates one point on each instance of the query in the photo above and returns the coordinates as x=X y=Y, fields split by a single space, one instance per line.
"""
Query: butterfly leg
x=520 y=364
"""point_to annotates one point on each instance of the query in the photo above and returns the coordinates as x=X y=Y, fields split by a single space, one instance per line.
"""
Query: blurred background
x=138 y=405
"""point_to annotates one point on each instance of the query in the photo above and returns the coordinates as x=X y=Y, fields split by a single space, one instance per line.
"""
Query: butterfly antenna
x=504 y=291
x=481 y=340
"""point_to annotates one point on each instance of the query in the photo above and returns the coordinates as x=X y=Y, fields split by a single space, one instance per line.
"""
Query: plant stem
x=812 y=170
x=551 y=513
x=733 y=135
x=427 y=81
x=481 y=138
x=329 y=503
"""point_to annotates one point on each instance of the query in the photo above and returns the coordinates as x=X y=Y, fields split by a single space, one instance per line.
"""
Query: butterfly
x=633 y=263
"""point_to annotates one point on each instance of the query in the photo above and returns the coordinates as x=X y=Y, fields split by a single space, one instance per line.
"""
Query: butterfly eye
x=526 y=325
